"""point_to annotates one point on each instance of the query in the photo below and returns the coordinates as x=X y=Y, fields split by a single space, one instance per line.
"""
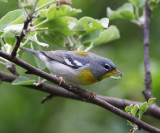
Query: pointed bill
x=117 y=72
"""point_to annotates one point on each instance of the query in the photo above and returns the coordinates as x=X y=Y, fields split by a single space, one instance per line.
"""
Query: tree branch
x=22 y=35
x=148 y=81
x=58 y=91
x=11 y=67
x=84 y=94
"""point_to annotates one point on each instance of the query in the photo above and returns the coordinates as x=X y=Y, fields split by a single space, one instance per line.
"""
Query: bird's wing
x=68 y=58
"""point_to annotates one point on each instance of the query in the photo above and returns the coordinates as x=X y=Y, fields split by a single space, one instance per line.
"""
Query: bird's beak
x=117 y=72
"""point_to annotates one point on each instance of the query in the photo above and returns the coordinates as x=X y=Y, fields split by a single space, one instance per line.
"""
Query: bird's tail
x=29 y=50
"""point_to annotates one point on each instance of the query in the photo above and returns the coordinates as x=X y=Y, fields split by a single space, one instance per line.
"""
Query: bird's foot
x=93 y=94
x=61 y=81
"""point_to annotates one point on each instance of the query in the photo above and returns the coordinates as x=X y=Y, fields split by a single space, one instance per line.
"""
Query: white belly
x=69 y=74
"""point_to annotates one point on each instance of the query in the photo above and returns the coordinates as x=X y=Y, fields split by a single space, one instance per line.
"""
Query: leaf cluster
x=138 y=111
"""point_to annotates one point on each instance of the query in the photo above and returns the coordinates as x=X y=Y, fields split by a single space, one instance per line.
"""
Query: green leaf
x=9 y=18
x=38 y=21
x=128 y=108
x=104 y=22
x=88 y=24
x=22 y=81
x=72 y=24
x=35 y=39
x=134 y=110
x=138 y=3
x=151 y=101
x=78 y=28
x=59 y=25
x=143 y=108
x=39 y=63
x=1 y=32
x=107 y=35
x=113 y=14
x=19 y=20
x=43 y=2
x=64 y=10
x=13 y=30
x=91 y=36
x=43 y=13
x=126 y=11
x=7 y=48
x=52 y=39
x=153 y=4
x=10 y=32
x=91 y=24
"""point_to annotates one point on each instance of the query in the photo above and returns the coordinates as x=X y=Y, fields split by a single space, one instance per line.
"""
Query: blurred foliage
x=21 y=110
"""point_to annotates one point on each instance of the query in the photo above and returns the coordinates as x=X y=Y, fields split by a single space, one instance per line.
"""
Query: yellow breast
x=86 y=77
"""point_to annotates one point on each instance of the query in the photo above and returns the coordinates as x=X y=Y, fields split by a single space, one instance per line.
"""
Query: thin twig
x=24 y=30
x=46 y=98
x=148 y=81
x=11 y=67
x=88 y=96
x=45 y=5
x=22 y=35
x=33 y=10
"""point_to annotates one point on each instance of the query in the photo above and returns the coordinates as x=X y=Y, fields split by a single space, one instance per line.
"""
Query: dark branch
x=11 y=67
x=58 y=91
x=46 y=98
x=80 y=92
x=148 y=81
x=22 y=35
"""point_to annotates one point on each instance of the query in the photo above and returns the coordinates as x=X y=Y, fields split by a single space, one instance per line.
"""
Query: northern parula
x=77 y=67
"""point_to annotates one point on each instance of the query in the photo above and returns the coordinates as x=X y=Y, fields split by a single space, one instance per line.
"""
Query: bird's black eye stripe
x=106 y=66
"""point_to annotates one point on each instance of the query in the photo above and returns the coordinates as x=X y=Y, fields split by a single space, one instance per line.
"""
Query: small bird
x=77 y=67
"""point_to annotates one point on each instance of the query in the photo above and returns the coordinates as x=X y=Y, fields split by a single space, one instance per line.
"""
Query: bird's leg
x=61 y=81
x=89 y=94
x=94 y=95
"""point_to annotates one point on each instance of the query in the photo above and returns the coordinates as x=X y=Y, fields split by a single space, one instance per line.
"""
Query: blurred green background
x=21 y=110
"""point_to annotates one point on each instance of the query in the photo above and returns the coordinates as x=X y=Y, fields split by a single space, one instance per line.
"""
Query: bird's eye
x=106 y=66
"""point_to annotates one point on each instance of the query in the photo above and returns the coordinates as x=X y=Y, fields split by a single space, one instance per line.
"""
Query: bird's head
x=104 y=68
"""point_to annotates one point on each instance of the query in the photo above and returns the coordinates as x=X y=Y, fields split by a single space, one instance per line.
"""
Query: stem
x=24 y=30
x=44 y=5
x=89 y=47
x=38 y=29
x=40 y=23
x=22 y=35
x=33 y=10
x=148 y=81
x=137 y=12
